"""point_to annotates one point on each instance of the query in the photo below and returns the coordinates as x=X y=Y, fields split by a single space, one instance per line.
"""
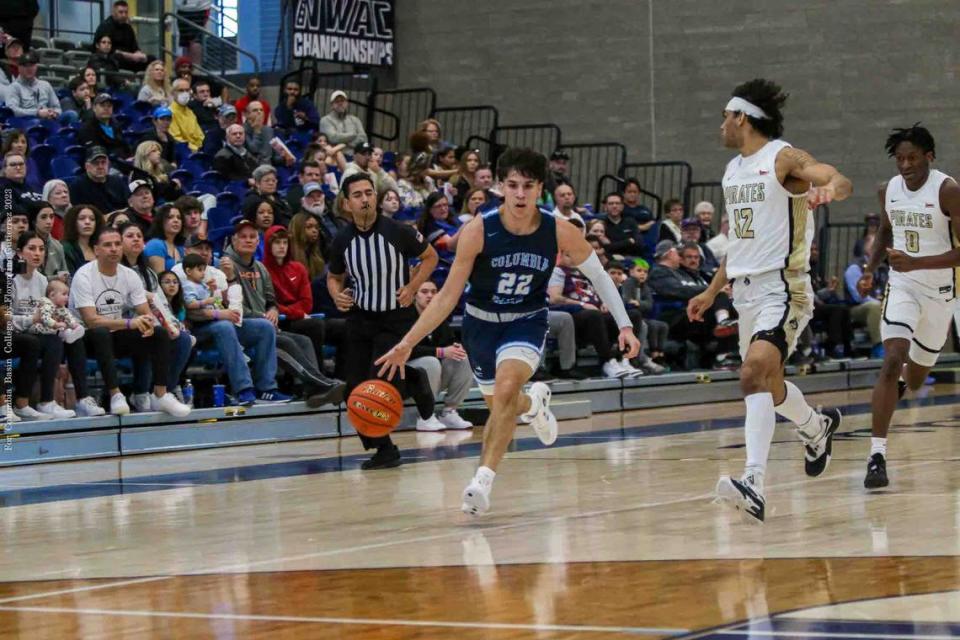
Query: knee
x=893 y=361
x=753 y=377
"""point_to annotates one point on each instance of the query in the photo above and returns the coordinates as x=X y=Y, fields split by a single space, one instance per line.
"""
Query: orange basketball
x=374 y=408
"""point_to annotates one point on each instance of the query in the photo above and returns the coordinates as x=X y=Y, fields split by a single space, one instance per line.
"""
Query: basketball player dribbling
x=770 y=189
x=508 y=255
x=921 y=222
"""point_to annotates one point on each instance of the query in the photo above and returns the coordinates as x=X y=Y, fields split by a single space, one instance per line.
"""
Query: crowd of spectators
x=135 y=257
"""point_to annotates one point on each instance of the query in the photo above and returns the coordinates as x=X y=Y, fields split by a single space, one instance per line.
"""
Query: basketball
x=374 y=408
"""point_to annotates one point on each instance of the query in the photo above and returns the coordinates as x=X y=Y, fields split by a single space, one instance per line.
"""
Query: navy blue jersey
x=511 y=273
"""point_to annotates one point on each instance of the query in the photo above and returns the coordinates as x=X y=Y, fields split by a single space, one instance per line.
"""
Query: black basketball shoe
x=816 y=455
x=876 y=472
x=743 y=496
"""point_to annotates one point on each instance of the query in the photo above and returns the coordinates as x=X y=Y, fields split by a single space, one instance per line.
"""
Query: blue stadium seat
x=64 y=167
x=238 y=187
x=123 y=119
x=218 y=236
x=76 y=152
x=201 y=186
x=228 y=200
x=37 y=134
x=181 y=151
x=212 y=177
x=6 y=113
x=22 y=122
x=219 y=216
x=185 y=177
x=40 y=160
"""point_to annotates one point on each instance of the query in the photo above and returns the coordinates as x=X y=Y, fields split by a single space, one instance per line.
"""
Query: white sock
x=721 y=315
x=878 y=445
x=485 y=475
x=795 y=409
x=760 y=424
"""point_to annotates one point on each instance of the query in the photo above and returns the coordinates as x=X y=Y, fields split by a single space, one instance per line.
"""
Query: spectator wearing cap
x=294 y=112
x=184 y=127
x=30 y=97
x=156 y=86
x=295 y=351
x=140 y=204
x=559 y=171
x=162 y=119
x=80 y=102
x=310 y=172
x=691 y=232
x=252 y=94
x=314 y=200
x=234 y=161
x=672 y=217
x=231 y=333
x=125 y=46
x=103 y=130
x=265 y=184
x=704 y=212
x=621 y=231
x=361 y=164
x=14 y=180
x=204 y=105
x=339 y=126
x=216 y=137
x=96 y=186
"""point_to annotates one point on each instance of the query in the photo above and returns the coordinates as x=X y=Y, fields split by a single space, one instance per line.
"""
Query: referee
x=374 y=251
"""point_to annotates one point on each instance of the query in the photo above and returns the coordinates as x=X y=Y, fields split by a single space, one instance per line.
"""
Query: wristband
x=216 y=314
x=441 y=353
x=128 y=323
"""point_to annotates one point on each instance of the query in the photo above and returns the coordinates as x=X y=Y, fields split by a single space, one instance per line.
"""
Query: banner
x=345 y=31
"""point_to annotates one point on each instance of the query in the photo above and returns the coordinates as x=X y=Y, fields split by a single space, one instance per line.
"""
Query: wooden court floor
x=610 y=533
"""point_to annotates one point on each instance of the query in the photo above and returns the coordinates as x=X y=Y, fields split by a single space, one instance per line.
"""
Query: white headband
x=743 y=106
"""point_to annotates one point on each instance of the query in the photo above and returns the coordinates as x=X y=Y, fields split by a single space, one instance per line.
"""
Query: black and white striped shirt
x=377 y=261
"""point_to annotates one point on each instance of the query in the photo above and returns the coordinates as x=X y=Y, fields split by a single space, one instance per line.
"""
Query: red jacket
x=244 y=100
x=291 y=282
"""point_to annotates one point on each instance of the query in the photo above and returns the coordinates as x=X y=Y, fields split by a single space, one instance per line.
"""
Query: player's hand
x=405 y=295
x=628 y=342
x=699 y=305
x=344 y=300
x=817 y=196
x=393 y=360
x=900 y=261
x=454 y=352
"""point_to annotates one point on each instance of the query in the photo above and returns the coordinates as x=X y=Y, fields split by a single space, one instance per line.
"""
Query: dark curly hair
x=916 y=135
x=770 y=97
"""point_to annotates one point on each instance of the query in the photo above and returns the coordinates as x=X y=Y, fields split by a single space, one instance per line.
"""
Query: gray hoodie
x=25 y=99
x=257 y=287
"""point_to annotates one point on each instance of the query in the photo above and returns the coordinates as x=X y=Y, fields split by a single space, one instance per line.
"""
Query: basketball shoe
x=818 y=449
x=476 y=497
x=742 y=495
x=876 y=472
x=540 y=417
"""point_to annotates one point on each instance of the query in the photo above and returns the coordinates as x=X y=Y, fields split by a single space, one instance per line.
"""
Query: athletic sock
x=878 y=445
x=485 y=476
x=721 y=315
x=760 y=424
x=795 y=409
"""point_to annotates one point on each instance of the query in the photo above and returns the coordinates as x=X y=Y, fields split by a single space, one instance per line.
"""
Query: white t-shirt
x=26 y=298
x=115 y=297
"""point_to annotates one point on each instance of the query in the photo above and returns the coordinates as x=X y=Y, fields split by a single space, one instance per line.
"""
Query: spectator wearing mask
x=252 y=95
x=125 y=47
x=216 y=137
x=338 y=126
x=112 y=303
x=446 y=366
x=103 y=130
x=30 y=97
x=294 y=112
x=233 y=161
x=95 y=186
x=184 y=127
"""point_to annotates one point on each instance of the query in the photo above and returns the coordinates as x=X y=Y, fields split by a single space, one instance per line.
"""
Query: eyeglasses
x=16 y=164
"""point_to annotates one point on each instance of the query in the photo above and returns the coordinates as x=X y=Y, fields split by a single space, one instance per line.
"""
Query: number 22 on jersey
x=511 y=284
x=743 y=222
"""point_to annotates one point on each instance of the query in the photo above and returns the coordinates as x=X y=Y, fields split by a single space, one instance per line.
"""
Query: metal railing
x=607 y=183
x=589 y=161
x=319 y=85
x=544 y=138
x=220 y=55
x=397 y=112
x=459 y=124
x=666 y=179
x=489 y=150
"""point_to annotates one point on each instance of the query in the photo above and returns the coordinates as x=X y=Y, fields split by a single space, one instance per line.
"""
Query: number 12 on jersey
x=743 y=223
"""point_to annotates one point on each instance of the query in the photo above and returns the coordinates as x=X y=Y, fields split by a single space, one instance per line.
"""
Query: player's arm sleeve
x=607 y=291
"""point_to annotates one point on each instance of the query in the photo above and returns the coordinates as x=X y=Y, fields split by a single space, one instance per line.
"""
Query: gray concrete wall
x=854 y=69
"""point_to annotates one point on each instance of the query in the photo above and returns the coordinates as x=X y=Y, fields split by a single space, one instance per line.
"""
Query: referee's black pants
x=368 y=336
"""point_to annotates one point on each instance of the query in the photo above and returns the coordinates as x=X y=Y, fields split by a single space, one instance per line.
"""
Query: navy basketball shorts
x=489 y=342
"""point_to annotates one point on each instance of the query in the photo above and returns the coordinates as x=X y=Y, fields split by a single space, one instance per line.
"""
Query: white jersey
x=770 y=228
x=921 y=228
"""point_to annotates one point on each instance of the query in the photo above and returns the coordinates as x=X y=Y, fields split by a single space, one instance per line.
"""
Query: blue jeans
x=230 y=341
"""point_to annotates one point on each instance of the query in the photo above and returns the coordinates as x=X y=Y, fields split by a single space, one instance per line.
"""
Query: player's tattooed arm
x=826 y=183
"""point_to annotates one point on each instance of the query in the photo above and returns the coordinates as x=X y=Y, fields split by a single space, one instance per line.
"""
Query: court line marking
x=420 y=539
x=759 y=633
x=352 y=621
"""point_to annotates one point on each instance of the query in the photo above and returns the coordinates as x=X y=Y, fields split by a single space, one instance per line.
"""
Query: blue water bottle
x=188 y=393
